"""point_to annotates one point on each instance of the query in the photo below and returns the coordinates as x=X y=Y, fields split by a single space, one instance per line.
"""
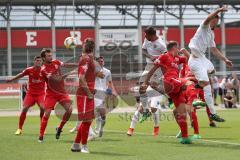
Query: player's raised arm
x=220 y=56
x=213 y=15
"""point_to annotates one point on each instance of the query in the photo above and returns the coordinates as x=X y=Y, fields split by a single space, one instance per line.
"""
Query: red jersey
x=36 y=84
x=169 y=64
x=86 y=67
x=52 y=75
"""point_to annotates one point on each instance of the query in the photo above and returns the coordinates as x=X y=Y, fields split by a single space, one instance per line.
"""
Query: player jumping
x=199 y=65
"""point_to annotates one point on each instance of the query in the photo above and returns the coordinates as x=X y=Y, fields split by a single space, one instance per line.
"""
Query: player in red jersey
x=35 y=92
x=85 y=96
x=174 y=86
x=55 y=92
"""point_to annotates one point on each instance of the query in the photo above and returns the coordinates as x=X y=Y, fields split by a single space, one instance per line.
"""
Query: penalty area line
x=204 y=140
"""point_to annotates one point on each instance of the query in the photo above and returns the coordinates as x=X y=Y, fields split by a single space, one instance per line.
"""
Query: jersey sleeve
x=144 y=46
x=160 y=60
x=204 y=26
x=25 y=72
x=83 y=66
x=60 y=63
x=212 y=41
x=109 y=76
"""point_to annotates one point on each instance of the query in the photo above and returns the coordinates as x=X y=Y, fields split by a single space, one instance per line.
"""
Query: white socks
x=209 y=98
x=156 y=118
x=134 y=119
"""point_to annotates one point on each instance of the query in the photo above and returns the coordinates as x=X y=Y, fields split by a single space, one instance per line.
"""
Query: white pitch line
x=204 y=140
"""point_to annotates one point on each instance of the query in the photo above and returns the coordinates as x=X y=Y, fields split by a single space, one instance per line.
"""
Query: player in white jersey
x=152 y=47
x=103 y=87
x=199 y=65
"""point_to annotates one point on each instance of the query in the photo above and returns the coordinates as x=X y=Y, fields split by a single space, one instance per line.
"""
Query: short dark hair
x=171 y=44
x=37 y=57
x=89 y=45
x=98 y=58
x=44 y=51
x=150 y=31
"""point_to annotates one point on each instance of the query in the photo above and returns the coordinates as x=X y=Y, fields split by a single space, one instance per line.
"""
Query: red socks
x=22 y=119
x=43 y=125
x=83 y=131
x=195 y=122
x=181 y=120
x=208 y=114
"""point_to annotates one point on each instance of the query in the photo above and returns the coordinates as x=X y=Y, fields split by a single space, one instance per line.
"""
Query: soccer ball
x=70 y=42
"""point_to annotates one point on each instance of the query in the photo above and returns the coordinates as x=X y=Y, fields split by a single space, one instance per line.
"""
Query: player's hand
x=90 y=95
x=153 y=58
x=100 y=74
x=223 y=9
x=229 y=63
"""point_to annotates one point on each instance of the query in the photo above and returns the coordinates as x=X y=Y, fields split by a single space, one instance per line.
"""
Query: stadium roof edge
x=116 y=2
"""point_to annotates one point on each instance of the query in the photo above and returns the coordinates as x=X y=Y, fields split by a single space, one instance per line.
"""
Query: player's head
x=172 y=47
x=150 y=34
x=46 y=55
x=88 y=46
x=37 y=62
x=214 y=22
x=100 y=60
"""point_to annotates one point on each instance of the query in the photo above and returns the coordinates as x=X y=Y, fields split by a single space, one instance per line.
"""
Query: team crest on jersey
x=56 y=66
x=176 y=59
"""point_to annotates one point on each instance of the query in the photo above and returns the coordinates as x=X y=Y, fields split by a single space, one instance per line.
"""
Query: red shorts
x=51 y=100
x=31 y=99
x=85 y=108
x=192 y=93
x=179 y=98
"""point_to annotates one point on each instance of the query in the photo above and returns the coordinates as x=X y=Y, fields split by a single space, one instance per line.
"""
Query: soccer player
x=55 y=92
x=174 y=86
x=199 y=65
x=35 y=93
x=103 y=87
x=152 y=47
x=85 y=96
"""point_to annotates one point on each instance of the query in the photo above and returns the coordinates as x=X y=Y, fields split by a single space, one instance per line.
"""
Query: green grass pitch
x=217 y=144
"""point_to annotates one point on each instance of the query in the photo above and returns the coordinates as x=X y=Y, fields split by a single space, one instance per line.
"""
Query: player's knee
x=25 y=109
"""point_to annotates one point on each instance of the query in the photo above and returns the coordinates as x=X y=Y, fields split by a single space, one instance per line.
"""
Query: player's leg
x=180 y=114
x=86 y=115
x=27 y=103
x=66 y=102
x=200 y=68
x=102 y=120
x=155 y=105
x=49 y=104
x=100 y=111
x=135 y=117
x=40 y=101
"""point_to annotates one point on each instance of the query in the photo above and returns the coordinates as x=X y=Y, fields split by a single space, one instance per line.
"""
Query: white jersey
x=154 y=48
x=203 y=39
x=102 y=83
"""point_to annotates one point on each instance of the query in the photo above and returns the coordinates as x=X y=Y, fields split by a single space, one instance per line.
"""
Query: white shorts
x=154 y=98
x=200 y=67
x=99 y=99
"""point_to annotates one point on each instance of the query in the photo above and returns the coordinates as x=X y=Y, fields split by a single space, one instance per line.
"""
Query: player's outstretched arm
x=220 y=56
x=18 y=76
x=212 y=15
x=70 y=65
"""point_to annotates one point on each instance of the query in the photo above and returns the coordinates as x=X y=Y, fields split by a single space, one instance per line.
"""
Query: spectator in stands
x=229 y=99
x=235 y=85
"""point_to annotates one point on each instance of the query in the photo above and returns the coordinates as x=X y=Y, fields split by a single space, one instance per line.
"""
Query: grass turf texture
x=117 y=145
